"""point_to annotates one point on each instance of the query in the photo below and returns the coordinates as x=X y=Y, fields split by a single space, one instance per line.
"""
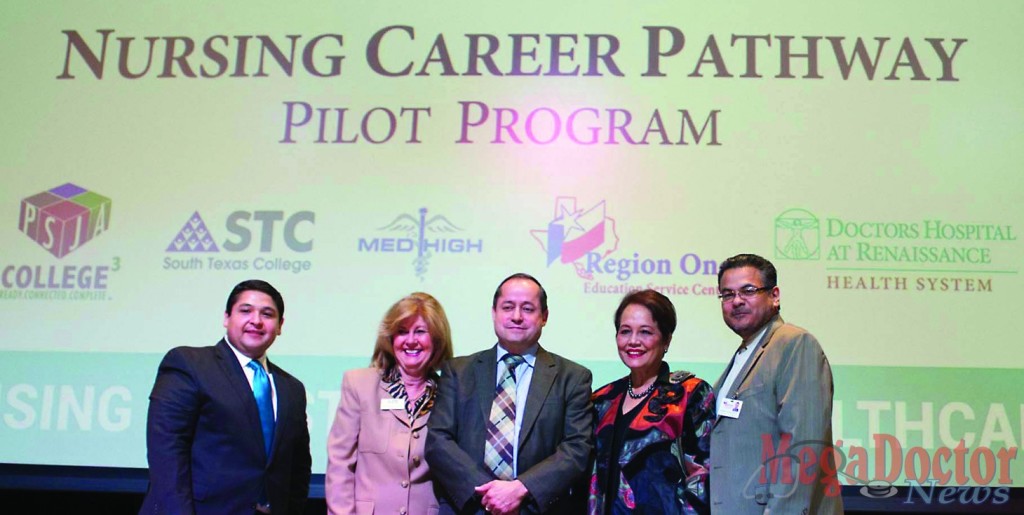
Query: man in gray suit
x=774 y=426
x=542 y=464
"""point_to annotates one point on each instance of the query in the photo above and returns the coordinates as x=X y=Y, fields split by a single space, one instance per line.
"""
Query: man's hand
x=502 y=497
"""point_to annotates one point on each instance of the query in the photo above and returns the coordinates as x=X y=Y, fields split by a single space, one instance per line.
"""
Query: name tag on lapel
x=731 y=408
x=391 y=404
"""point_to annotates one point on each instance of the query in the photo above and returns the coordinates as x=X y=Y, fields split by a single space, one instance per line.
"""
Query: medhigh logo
x=797 y=235
x=574 y=233
x=420 y=235
x=64 y=218
x=196 y=237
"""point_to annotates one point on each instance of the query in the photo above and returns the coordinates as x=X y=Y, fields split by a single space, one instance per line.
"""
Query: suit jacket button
x=405 y=484
x=416 y=434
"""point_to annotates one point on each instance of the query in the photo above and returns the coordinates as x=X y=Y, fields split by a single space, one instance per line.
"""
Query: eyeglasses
x=744 y=293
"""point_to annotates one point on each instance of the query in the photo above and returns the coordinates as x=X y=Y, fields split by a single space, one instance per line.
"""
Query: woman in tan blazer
x=375 y=449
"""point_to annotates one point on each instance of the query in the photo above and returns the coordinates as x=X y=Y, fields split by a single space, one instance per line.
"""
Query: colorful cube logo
x=64 y=218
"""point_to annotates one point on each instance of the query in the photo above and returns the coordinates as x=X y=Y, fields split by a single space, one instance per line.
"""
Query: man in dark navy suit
x=213 y=446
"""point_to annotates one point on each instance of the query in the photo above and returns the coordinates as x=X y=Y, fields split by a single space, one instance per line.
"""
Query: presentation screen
x=154 y=154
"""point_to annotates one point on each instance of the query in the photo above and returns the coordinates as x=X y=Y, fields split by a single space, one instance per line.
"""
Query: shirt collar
x=755 y=339
x=530 y=355
x=243 y=359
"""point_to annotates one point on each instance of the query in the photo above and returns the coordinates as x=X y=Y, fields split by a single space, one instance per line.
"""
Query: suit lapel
x=228 y=363
x=543 y=377
x=721 y=378
x=741 y=379
x=382 y=394
x=283 y=400
x=485 y=372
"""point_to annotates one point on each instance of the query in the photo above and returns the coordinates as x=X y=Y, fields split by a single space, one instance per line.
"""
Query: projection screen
x=156 y=153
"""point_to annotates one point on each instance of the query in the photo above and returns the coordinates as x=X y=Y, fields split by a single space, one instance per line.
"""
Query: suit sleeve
x=342 y=449
x=452 y=468
x=559 y=473
x=803 y=386
x=174 y=406
x=302 y=461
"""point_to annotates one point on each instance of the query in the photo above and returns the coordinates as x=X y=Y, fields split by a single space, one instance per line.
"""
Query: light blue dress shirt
x=524 y=374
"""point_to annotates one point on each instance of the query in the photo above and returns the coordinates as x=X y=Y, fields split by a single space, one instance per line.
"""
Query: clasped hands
x=502 y=497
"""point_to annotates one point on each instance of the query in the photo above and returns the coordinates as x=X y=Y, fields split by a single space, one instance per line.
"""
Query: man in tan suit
x=774 y=425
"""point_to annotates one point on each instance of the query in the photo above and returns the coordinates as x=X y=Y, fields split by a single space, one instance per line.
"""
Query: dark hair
x=255 y=285
x=662 y=310
x=768 y=274
x=528 y=277
x=417 y=304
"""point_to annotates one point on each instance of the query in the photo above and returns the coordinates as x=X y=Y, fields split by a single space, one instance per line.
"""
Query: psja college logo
x=61 y=220
x=64 y=218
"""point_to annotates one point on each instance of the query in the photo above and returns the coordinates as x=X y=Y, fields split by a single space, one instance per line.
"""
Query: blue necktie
x=265 y=403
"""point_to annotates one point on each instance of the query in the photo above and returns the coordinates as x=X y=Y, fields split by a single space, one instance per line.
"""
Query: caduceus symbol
x=418 y=228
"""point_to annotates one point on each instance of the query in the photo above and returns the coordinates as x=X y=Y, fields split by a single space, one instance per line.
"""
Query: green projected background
x=154 y=154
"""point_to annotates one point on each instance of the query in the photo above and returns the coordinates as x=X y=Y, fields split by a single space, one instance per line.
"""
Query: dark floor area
x=33 y=502
x=105 y=503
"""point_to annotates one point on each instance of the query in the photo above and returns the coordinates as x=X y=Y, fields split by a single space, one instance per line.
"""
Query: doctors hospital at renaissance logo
x=928 y=254
x=254 y=242
x=421 y=236
x=60 y=220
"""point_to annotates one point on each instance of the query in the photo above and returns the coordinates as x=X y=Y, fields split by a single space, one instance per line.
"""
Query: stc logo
x=194 y=236
x=64 y=218
x=246 y=229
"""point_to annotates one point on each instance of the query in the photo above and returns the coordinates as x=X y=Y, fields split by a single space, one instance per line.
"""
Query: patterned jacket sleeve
x=695 y=447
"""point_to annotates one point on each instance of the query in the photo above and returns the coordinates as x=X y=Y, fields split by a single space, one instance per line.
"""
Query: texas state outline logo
x=574 y=232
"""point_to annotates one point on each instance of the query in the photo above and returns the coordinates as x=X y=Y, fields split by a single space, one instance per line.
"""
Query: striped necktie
x=501 y=427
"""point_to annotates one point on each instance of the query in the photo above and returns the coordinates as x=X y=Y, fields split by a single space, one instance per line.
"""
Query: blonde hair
x=408 y=308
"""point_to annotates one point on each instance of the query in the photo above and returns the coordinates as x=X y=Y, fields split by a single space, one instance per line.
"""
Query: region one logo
x=64 y=218
x=573 y=232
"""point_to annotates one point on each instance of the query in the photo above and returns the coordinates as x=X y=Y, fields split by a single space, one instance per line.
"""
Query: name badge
x=391 y=404
x=731 y=408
